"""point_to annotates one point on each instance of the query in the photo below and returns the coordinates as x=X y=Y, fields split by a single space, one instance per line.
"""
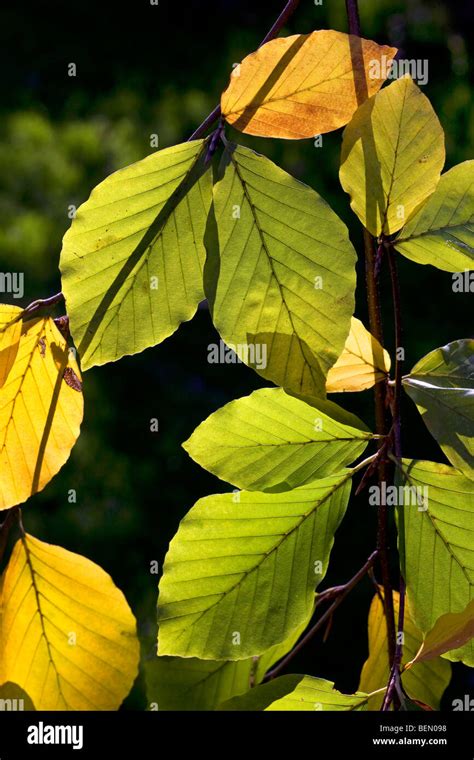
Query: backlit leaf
x=362 y=363
x=280 y=274
x=132 y=259
x=40 y=413
x=425 y=682
x=275 y=442
x=441 y=233
x=450 y=631
x=303 y=85
x=442 y=387
x=67 y=635
x=10 y=332
x=392 y=156
x=439 y=546
x=187 y=683
x=241 y=571
x=297 y=693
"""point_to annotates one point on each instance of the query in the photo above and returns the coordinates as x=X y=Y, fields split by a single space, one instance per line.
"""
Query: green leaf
x=439 y=546
x=425 y=682
x=441 y=233
x=392 y=156
x=187 y=683
x=262 y=696
x=241 y=571
x=280 y=274
x=133 y=257
x=442 y=387
x=275 y=442
x=450 y=631
x=297 y=693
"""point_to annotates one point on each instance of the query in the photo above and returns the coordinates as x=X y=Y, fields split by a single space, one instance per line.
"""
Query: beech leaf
x=439 y=546
x=392 y=156
x=10 y=332
x=280 y=273
x=451 y=631
x=241 y=571
x=67 y=635
x=304 y=85
x=41 y=409
x=362 y=363
x=132 y=260
x=441 y=233
x=425 y=683
x=270 y=441
x=442 y=386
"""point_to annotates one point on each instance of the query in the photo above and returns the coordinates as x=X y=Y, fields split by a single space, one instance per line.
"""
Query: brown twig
x=394 y=686
x=341 y=592
x=41 y=303
x=381 y=420
x=287 y=11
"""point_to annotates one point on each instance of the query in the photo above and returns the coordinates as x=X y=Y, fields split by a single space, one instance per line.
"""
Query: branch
x=341 y=592
x=397 y=316
x=376 y=328
x=287 y=11
x=394 y=686
x=352 y=11
x=40 y=304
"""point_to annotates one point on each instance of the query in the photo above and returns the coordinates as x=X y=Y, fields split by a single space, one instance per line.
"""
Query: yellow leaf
x=425 y=682
x=451 y=631
x=41 y=408
x=392 y=156
x=9 y=338
x=67 y=635
x=362 y=363
x=304 y=85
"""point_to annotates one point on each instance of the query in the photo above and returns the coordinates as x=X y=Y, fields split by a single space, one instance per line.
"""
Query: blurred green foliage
x=145 y=70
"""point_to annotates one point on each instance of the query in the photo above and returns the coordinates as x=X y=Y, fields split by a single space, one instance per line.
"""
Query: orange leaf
x=304 y=85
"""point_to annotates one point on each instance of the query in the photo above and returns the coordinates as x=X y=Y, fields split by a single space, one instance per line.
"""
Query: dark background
x=144 y=69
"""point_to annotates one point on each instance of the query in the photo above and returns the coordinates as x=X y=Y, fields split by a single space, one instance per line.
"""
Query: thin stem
x=353 y=18
x=364 y=463
x=377 y=691
x=32 y=308
x=41 y=303
x=394 y=686
x=342 y=592
x=397 y=313
x=381 y=418
x=287 y=11
x=208 y=122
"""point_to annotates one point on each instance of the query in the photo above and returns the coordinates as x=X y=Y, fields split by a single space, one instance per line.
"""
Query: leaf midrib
x=264 y=555
x=273 y=273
